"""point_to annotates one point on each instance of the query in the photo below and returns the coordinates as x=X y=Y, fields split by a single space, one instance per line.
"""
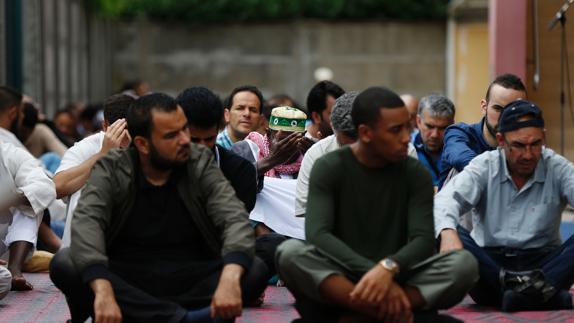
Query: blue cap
x=512 y=112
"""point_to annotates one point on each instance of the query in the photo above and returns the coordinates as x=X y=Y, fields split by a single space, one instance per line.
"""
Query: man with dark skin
x=369 y=225
x=11 y=115
x=320 y=102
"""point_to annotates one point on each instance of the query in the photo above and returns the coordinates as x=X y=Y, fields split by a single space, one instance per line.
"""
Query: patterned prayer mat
x=46 y=304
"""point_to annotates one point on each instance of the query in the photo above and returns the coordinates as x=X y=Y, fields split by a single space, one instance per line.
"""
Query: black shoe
x=513 y=301
x=562 y=300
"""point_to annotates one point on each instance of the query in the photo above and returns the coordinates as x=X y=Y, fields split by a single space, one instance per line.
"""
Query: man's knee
x=62 y=270
x=464 y=268
x=287 y=252
x=265 y=248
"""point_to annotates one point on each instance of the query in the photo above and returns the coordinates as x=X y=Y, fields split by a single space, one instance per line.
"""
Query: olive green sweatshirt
x=359 y=215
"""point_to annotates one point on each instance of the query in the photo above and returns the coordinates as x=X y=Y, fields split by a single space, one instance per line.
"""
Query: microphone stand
x=561 y=17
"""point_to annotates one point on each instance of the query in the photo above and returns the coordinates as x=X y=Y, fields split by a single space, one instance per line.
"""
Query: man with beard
x=369 y=250
x=435 y=114
x=320 y=102
x=11 y=116
x=158 y=234
x=463 y=142
x=204 y=113
x=519 y=192
x=24 y=228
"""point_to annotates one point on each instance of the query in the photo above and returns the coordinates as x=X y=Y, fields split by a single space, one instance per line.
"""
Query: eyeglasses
x=520 y=147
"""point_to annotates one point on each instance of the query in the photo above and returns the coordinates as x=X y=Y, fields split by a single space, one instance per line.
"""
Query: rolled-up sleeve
x=30 y=179
x=460 y=194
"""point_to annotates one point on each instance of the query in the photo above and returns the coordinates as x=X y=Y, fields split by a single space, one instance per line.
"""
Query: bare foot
x=19 y=283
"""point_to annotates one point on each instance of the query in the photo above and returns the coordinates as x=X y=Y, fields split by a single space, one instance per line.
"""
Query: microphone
x=560 y=14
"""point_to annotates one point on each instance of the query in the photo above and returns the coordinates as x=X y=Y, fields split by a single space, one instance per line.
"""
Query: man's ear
x=419 y=121
x=142 y=144
x=316 y=117
x=226 y=116
x=500 y=138
x=13 y=112
x=365 y=133
x=483 y=106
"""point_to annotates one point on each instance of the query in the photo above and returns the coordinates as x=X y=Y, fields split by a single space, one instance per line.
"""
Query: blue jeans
x=557 y=264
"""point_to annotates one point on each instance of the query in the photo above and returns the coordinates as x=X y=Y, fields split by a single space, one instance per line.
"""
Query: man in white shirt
x=25 y=192
x=78 y=161
x=344 y=134
x=11 y=115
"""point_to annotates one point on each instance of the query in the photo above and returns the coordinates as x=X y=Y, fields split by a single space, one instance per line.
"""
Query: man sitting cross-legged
x=158 y=234
x=25 y=192
x=518 y=192
x=204 y=113
x=369 y=228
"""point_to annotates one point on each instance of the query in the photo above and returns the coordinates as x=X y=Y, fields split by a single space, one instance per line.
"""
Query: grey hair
x=438 y=106
x=341 y=115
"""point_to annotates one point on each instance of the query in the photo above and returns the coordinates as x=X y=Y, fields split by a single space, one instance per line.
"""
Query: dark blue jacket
x=426 y=159
x=462 y=142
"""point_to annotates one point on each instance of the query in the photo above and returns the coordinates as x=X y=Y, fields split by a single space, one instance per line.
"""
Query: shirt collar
x=539 y=172
x=216 y=155
x=418 y=141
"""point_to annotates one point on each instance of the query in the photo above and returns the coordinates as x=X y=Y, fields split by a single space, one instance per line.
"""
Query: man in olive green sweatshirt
x=369 y=228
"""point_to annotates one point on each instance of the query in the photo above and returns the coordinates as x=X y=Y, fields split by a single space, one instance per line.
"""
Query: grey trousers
x=443 y=280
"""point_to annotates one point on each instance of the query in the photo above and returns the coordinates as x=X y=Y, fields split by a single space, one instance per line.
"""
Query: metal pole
x=14 y=57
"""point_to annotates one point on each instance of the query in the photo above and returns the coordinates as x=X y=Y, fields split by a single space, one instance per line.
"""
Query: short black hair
x=507 y=81
x=116 y=107
x=244 y=88
x=9 y=97
x=131 y=85
x=64 y=111
x=30 y=115
x=368 y=103
x=139 y=115
x=202 y=108
x=317 y=97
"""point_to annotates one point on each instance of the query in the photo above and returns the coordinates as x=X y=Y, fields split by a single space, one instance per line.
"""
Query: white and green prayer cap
x=287 y=119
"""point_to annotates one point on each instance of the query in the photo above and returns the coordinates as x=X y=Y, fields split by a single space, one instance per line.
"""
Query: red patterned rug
x=46 y=304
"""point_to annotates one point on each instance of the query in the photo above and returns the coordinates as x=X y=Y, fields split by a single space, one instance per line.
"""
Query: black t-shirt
x=160 y=242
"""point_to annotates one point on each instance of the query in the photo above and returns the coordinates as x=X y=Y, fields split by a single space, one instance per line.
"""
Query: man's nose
x=184 y=137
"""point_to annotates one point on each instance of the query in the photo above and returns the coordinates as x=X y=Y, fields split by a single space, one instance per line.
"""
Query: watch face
x=390 y=265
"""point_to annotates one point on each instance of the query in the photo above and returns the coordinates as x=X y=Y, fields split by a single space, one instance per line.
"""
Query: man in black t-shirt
x=204 y=112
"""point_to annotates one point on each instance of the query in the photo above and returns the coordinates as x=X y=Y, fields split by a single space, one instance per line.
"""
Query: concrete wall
x=468 y=53
x=281 y=57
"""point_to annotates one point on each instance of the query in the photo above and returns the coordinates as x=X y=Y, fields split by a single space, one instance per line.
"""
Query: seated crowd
x=144 y=208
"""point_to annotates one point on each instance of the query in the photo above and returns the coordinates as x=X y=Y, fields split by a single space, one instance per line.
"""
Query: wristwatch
x=390 y=265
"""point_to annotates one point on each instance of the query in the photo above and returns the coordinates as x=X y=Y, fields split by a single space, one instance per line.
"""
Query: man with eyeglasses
x=519 y=192
x=463 y=142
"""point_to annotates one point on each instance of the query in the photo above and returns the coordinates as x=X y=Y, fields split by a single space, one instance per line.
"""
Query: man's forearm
x=73 y=179
x=232 y=272
x=102 y=287
x=265 y=164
